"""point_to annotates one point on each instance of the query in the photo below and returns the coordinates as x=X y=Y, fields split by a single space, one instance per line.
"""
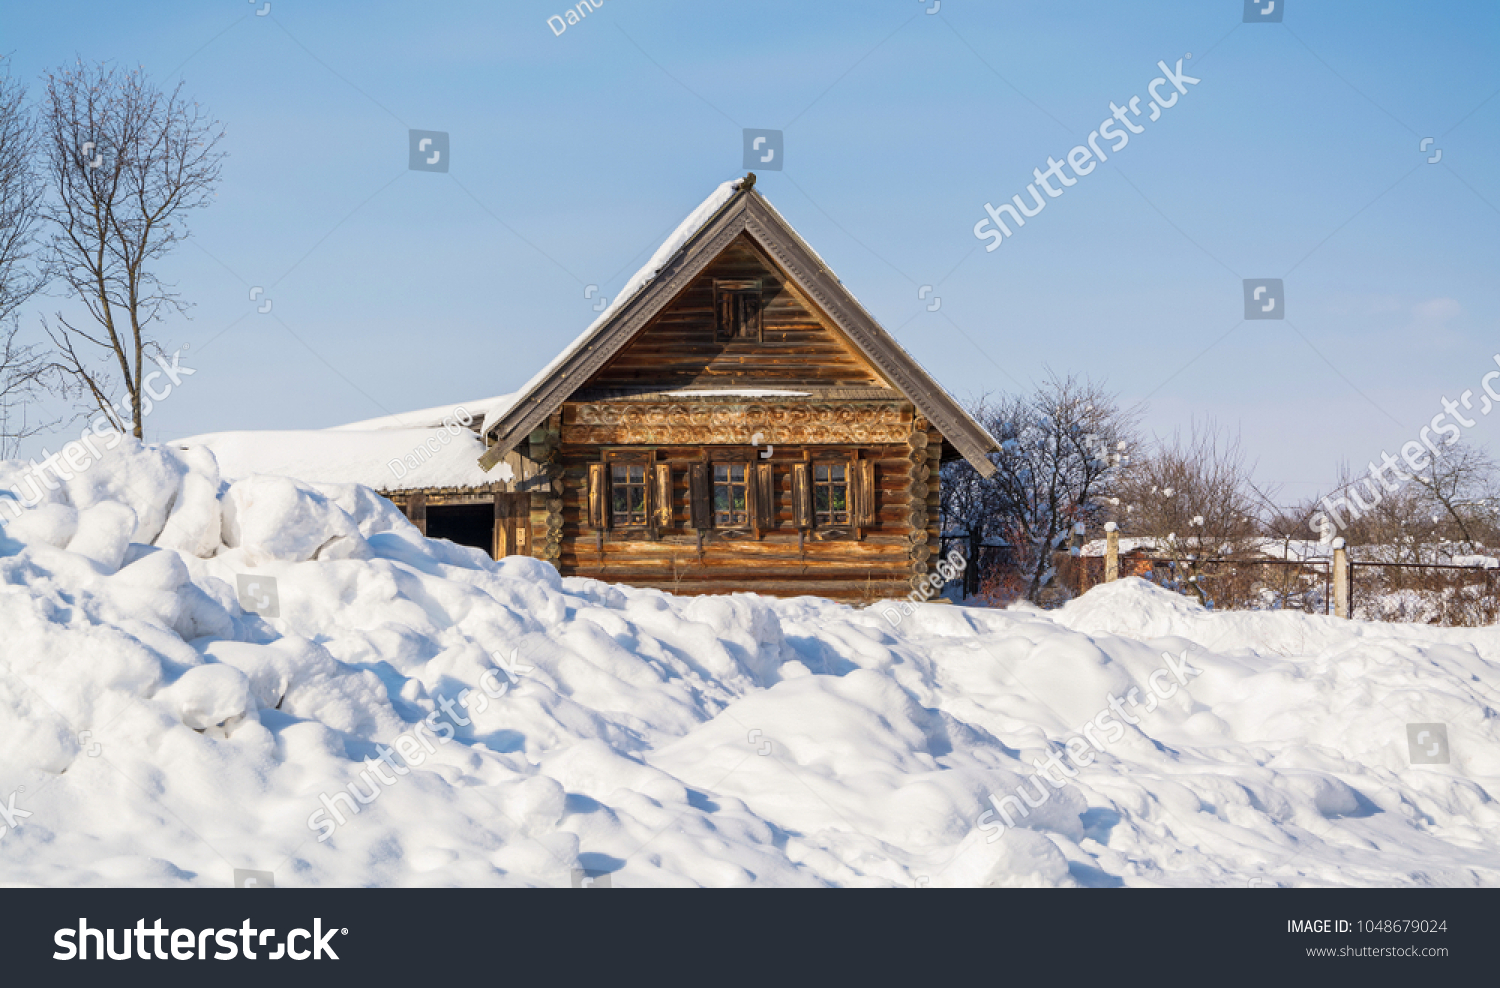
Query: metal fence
x=1243 y=583
x=1441 y=594
x=1425 y=593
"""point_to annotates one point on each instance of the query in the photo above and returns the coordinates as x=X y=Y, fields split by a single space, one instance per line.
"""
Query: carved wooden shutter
x=763 y=497
x=750 y=316
x=598 y=495
x=724 y=315
x=862 y=493
x=663 y=496
x=700 y=500
x=648 y=504
x=802 y=496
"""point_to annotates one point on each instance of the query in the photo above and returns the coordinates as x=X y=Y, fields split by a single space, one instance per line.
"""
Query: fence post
x=1340 y=579
x=1077 y=553
x=1111 y=552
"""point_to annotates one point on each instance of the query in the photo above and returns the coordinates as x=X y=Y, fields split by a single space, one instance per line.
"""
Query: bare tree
x=20 y=367
x=969 y=509
x=1194 y=494
x=1461 y=490
x=1451 y=506
x=1061 y=449
x=126 y=163
x=1387 y=526
x=21 y=370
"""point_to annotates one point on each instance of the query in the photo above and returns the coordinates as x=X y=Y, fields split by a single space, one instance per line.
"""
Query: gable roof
x=733 y=209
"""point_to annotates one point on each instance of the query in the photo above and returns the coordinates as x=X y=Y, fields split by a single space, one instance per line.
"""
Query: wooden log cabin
x=736 y=421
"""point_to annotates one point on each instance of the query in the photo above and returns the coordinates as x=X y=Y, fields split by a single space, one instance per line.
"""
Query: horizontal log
x=833 y=590
x=811 y=552
x=741 y=579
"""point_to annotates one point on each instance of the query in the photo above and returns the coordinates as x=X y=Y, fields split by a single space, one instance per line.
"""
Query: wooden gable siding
x=678 y=349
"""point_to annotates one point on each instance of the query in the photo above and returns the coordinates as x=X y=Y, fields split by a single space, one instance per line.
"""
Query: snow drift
x=474 y=722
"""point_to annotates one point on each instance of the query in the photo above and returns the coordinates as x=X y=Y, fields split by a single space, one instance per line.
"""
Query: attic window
x=737 y=310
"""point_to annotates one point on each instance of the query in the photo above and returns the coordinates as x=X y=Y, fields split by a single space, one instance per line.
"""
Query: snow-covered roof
x=432 y=418
x=384 y=459
x=736 y=202
x=416 y=450
x=407 y=451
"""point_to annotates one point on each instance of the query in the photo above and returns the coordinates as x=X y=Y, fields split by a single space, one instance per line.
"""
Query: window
x=731 y=494
x=627 y=489
x=831 y=493
x=737 y=310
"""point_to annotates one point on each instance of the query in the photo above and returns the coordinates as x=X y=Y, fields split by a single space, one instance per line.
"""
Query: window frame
x=745 y=483
x=861 y=492
x=847 y=483
x=645 y=460
x=627 y=519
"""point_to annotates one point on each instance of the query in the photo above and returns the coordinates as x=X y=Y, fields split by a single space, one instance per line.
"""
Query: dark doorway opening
x=466 y=524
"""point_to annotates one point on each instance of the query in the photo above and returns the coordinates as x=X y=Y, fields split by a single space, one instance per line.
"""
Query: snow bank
x=410 y=712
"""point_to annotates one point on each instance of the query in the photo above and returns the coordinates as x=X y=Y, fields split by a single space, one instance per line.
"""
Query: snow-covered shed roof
x=419 y=450
x=463 y=412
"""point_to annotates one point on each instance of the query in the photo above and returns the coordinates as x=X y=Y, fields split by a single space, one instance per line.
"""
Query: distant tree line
x=1072 y=459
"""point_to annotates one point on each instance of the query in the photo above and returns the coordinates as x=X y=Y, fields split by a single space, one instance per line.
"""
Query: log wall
x=879 y=562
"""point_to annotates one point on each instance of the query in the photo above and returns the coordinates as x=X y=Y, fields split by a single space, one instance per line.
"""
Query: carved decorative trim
x=717 y=423
x=551 y=547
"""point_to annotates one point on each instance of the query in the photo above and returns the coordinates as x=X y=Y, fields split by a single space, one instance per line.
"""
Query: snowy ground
x=165 y=736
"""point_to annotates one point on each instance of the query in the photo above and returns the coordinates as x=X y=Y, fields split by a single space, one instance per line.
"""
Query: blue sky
x=1297 y=156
